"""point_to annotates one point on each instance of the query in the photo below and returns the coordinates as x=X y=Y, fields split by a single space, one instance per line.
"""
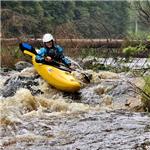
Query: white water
x=86 y=120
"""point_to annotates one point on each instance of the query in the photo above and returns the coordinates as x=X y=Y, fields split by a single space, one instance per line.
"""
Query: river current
x=105 y=114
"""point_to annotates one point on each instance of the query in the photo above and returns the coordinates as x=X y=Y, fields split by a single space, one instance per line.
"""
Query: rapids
x=105 y=114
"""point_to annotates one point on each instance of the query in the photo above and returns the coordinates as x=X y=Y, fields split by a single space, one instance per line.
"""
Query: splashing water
x=50 y=119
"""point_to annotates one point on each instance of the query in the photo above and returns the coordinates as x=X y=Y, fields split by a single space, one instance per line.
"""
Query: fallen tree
x=82 y=43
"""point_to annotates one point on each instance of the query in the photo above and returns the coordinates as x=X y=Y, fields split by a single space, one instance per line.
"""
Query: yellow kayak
x=60 y=79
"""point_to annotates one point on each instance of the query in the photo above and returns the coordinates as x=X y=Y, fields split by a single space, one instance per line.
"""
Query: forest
x=76 y=19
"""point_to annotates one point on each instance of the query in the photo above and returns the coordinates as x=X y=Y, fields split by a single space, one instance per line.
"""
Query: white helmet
x=47 y=37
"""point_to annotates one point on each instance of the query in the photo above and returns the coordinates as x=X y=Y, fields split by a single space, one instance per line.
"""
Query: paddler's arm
x=66 y=61
x=40 y=57
x=62 y=58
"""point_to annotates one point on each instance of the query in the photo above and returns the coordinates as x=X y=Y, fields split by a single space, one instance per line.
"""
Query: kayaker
x=51 y=53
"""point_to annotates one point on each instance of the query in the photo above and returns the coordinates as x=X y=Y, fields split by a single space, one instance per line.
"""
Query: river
x=105 y=114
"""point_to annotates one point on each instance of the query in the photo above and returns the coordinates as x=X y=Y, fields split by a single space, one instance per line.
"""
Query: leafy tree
x=92 y=19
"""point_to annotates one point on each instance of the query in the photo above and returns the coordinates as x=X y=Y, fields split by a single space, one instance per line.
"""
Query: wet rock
x=88 y=62
x=107 y=100
x=147 y=72
x=22 y=65
x=73 y=96
x=118 y=92
x=119 y=63
x=3 y=70
x=120 y=89
x=100 y=90
x=14 y=83
x=97 y=76
x=134 y=104
x=107 y=75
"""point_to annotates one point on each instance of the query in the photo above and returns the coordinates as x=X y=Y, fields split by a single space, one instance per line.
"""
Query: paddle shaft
x=85 y=76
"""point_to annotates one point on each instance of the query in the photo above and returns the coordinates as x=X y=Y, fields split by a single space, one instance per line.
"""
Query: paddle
x=87 y=78
x=30 y=48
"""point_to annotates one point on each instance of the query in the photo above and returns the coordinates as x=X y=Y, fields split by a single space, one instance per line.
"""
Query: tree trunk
x=82 y=43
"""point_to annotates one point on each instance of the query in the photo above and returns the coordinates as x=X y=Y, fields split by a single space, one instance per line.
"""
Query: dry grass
x=10 y=55
x=7 y=59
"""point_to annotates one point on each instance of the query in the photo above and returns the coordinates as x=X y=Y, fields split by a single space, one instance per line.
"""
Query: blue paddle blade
x=28 y=47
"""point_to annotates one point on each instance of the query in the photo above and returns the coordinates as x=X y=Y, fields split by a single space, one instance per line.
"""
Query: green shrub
x=146 y=94
x=148 y=38
x=130 y=50
x=140 y=35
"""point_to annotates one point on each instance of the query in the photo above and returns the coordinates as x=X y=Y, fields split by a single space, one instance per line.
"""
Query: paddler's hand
x=48 y=59
x=71 y=68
